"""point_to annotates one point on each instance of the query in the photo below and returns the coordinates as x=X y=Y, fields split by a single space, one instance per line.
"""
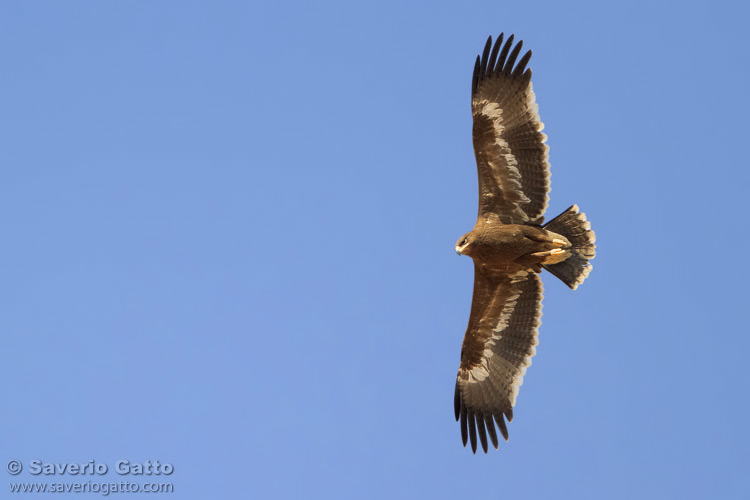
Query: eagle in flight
x=510 y=243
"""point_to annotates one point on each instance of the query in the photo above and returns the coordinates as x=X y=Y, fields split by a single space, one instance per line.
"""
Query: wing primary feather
x=482 y=431
x=485 y=56
x=526 y=79
x=472 y=431
x=475 y=78
x=491 y=429
x=501 y=425
x=493 y=56
x=512 y=58
x=521 y=66
x=464 y=430
x=504 y=53
x=509 y=414
x=457 y=403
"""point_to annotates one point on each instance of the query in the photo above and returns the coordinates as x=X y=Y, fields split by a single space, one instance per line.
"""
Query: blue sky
x=227 y=244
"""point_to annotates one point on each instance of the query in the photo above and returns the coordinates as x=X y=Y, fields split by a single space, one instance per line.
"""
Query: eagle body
x=510 y=243
x=511 y=246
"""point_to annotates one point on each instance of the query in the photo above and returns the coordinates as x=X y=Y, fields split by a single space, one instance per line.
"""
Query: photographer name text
x=94 y=468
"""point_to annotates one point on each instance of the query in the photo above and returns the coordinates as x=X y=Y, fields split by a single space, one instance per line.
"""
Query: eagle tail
x=573 y=225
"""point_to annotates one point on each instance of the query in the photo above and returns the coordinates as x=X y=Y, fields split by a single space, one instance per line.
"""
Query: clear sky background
x=228 y=230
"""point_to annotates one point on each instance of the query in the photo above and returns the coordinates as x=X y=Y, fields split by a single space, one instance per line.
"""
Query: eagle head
x=463 y=246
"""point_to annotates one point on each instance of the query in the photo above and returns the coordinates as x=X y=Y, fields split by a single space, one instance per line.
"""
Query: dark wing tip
x=521 y=66
x=499 y=61
x=493 y=56
x=504 y=53
x=473 y=423
x=485 y=56
x=476 y=422
x=491 y=429
x=475 y=78
x=501 y=425
x=464 y=429
x=472 y=431
x=512 y=58
x=482 y=431
x=457 y=403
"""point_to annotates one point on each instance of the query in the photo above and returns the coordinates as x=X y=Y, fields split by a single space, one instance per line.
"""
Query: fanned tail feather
x=573 y=225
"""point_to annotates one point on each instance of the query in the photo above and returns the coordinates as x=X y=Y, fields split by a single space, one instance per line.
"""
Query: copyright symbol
x=15 y=467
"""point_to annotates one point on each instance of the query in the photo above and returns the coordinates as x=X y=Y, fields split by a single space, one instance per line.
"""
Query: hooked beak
x=458 y=251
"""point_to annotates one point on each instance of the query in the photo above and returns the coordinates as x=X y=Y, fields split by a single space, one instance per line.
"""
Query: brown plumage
x=509 y=244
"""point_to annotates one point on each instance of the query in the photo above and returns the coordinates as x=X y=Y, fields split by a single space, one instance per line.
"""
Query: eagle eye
x=466 y=240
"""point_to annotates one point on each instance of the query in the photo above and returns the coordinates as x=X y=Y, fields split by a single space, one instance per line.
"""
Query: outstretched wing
x=512 y=158
x=497 y=348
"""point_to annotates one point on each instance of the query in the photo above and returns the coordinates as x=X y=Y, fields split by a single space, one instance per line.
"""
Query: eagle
x=510 y=243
